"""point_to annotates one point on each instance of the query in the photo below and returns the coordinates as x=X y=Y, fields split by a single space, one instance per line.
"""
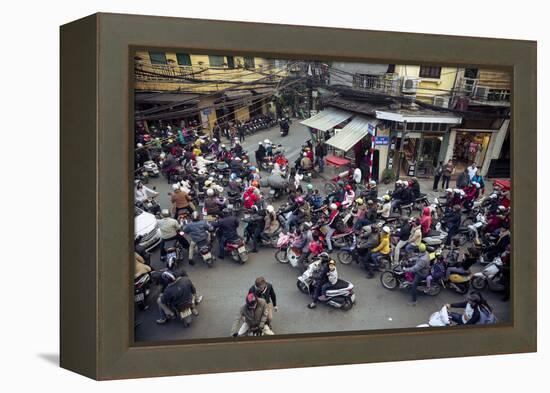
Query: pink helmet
x=299 y=200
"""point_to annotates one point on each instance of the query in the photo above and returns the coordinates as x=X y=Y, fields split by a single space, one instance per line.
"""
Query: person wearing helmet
x=404 y=236
x=385 y=210
x=421 y=270
x=197 y=230
x=169 y=231
x=437 y=270
x=178 y=294
x=415 y=239
x=415 y=188
x=360 y=213
x=300 y=212
x=212 y=205
x=333 y=223
x=426 y=221
x=226 y=227
x=452 y=220
x=252 y=318
x=475 y=308
x=305 y=163
x=181 y=202
x=250 y=197
x=326 y=277
x=382 y=249
x=349 y=197
x=143 y=193
x=271 y=223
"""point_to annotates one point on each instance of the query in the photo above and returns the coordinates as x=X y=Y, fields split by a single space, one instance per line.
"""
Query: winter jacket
x=180 y=199
x=416 y=236
x=271 y=223
x=254 y=318
x=140 y=266
x=422 y=265
x=228 y=227
x=405 y=232
x=197 y=230
x=426 y=221
x=169 y=227
x=268 y=294
x=384 y=246
x=385 y=210
x=179 y=293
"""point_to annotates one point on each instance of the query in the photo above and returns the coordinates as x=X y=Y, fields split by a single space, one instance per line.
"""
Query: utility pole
x=403 y=135
x=310 y=88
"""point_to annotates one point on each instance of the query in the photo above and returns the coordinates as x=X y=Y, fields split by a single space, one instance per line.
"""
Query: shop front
x=470 y=146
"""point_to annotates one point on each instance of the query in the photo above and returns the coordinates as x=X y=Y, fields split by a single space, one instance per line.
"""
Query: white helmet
x=210 y=192
x=175 y=186
x=267 y=141
x=260 y=142
x=333 y=206
x=214 y=140
x=493 y=196
x=223 y=146
x=169 y=127
x=386 y=229
x=457 y=190
x=237 y=159
x=372 y=183
x=501 y=208
x=462 y=192
x=165 y=213
x=449 y=190
x=139 y=145
x=476 y=184
x=162 y=155
x=270 y=208
x=201 y=172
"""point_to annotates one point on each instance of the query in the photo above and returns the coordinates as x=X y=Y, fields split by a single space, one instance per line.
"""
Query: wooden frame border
x=96 y=224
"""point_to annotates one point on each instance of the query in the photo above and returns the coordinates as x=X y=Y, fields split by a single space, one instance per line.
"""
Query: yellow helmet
x=359 y=201
x=422 y=247
x=387 y=197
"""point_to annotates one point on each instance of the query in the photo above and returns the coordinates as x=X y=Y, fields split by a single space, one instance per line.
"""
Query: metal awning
x=166 y=98
x=421 y=117
x=327 y=119
x=358 y=128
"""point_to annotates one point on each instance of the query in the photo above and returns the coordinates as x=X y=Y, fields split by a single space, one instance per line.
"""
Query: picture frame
x=96 y=305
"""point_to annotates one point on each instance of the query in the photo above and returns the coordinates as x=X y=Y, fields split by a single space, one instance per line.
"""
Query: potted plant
x=388 y=175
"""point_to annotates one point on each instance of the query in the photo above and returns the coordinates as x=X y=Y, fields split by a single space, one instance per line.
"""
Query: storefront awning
x=326 y=119
x=358 y=128
x=444 y=118
x=236 y=94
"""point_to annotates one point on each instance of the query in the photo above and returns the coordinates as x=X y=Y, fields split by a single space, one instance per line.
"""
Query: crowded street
x=225 y=285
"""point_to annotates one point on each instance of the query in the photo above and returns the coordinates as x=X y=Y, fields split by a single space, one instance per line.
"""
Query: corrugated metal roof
x=327 y=119
x=352 y=133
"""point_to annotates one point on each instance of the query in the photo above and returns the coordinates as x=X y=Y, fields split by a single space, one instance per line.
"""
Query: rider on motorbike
x=227 y=230
x=179 y=292
x=421 y=270
x=382 y=249
x=326 y=276
x=252 y=318
x=197 y=230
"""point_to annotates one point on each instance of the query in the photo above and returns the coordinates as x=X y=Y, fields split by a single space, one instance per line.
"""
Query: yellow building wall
x=242 y=113
x=200 y=69
x=428 y=87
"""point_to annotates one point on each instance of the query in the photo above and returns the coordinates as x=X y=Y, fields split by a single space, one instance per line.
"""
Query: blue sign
x=371 y=129
x=382 y=140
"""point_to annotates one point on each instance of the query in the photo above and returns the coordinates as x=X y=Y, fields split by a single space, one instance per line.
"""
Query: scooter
x=286 y=253
x=151 y=168
x=340 y=295
x=460 y=283
x=237 y=249
x=435 y=238
x=490 y=277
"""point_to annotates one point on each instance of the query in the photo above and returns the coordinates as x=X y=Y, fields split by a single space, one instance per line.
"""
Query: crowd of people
x=214 y=183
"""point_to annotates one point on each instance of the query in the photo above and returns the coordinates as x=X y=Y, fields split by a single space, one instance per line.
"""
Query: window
x=230 y=62
x=216 y=61
x=249 y=62
x=430 y=72
x=158 y=57
x=183 y=59
x=470 y=73
x=391 y=69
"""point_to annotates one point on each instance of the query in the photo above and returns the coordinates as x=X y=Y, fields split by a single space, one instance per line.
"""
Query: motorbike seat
x=340 y=284
x=463 y=229
x=407 y=206
x=433 y=233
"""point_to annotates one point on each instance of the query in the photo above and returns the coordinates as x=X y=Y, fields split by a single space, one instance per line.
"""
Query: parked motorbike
x=340 y=295
x=151 y=168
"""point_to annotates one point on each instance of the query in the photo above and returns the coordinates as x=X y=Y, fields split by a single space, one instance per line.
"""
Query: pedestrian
x=472 y=170
x=437 y=175
x=240 y=129
x=463 y=179
x=264 y=290
x=320 y=153
x=448 y=171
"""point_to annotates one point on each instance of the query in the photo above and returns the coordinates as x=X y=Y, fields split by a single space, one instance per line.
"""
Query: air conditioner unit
x=409 y=85
x=442 y=101
x=481 y=92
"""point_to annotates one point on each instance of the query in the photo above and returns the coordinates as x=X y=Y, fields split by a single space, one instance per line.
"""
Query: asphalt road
x=224 y=287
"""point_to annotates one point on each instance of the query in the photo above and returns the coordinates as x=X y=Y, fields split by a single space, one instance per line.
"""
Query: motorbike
x=151 y=168
x=340 y=295
x=421 y=202
x=150 y=205
x=142 y=289
x=435 y=237
x=460 y=283
x=398 y=278
x=174 y=254
x=267 y=241
x=286 y=253
x=491 y=276
x=237 y=249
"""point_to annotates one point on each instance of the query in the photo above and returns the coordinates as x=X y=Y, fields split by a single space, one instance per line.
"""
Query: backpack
x=486 y=317
x=438 y=271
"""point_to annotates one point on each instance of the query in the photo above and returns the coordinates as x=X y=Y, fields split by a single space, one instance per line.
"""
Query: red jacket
x=250 y=199
x=426 y=221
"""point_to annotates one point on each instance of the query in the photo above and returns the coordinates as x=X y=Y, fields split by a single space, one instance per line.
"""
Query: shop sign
x=382 y=140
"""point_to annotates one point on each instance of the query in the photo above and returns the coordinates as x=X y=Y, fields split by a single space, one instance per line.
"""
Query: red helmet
x=348 y=188
x=255 y=183
x=299 y=200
